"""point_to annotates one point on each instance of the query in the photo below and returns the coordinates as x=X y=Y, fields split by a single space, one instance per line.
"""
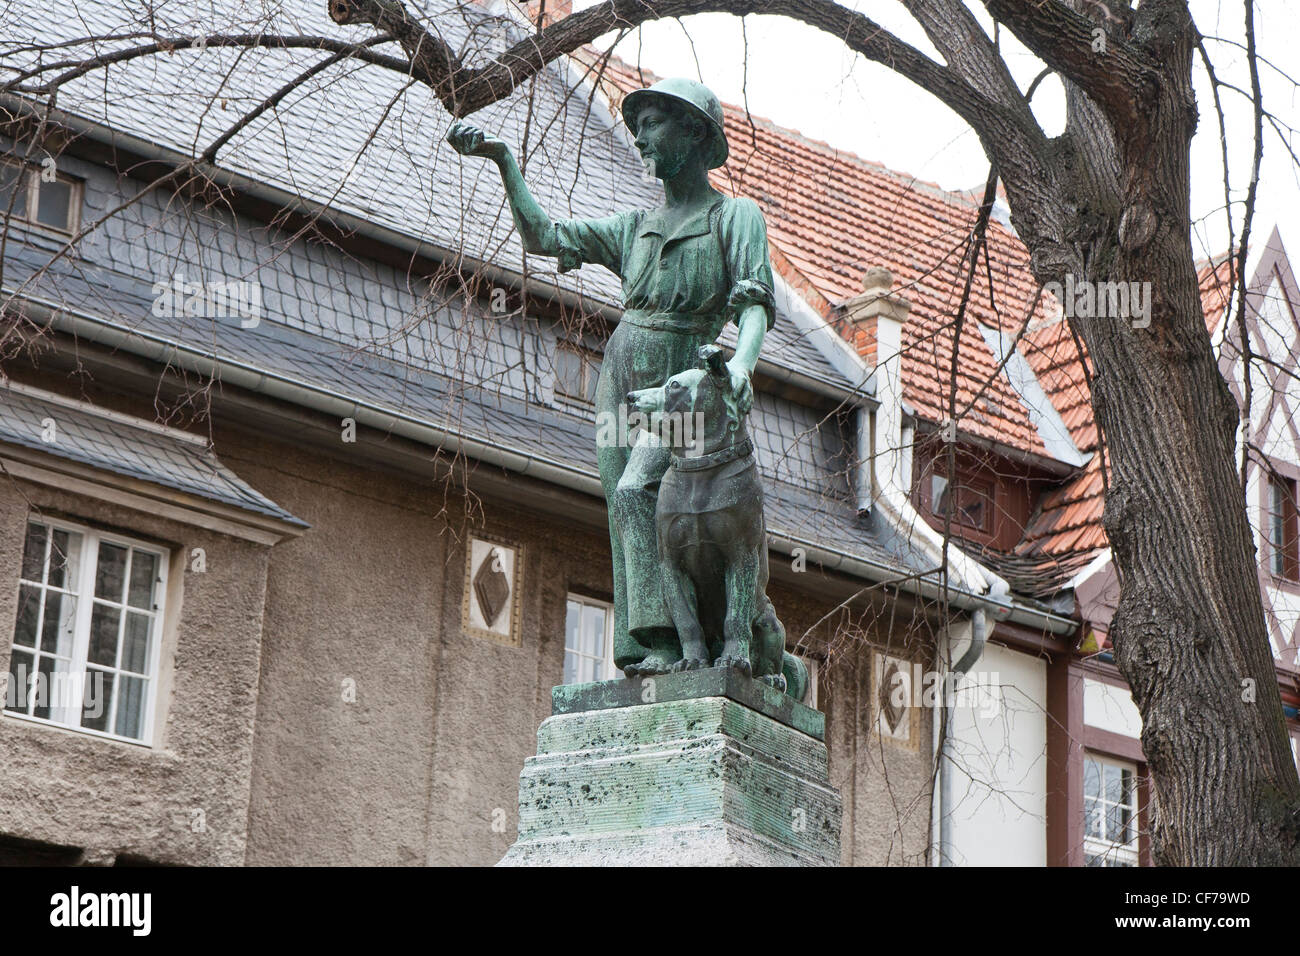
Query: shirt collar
x=696 y=224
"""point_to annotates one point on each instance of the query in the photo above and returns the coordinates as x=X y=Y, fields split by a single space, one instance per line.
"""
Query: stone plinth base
x=681 y=781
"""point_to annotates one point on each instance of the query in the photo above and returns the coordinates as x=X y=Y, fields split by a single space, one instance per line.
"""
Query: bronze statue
x=688 y=267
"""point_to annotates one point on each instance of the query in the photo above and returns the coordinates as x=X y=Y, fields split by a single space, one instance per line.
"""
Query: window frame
x=1289 y=548
x=608 y=608
x=1110 y=851
x=32 y=185
x=91 y=538
x=590 y=360
x=967 y=483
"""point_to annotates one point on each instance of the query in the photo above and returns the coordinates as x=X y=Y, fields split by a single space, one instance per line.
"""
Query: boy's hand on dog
x=741 y=387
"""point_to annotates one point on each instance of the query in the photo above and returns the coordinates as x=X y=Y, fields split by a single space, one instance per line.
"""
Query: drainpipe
x=979 y=632
x=877 y=318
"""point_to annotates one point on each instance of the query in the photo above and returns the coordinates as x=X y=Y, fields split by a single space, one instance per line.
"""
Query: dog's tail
x=796 y=676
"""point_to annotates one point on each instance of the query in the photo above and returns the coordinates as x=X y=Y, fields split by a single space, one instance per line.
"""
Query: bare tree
x=1107 y=200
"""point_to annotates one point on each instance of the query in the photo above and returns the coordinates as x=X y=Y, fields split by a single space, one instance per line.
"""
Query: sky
x=804 y=79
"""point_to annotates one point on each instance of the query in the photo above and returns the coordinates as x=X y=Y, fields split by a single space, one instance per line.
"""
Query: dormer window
x=969 y=503
x=576 y=371
x=39 y=195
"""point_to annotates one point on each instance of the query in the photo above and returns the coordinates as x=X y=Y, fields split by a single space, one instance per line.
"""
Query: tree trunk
x=1189 y=633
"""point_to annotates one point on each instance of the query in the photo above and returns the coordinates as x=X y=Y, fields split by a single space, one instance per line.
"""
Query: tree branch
x=1069 y=42
x=74 y=68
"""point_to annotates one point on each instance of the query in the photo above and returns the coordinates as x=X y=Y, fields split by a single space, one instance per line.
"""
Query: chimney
x=875 y=327
x=550 y=10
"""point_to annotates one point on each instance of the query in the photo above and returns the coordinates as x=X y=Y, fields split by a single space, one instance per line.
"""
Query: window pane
x=1091 y=778
x=34 y=552
x=13 y=187
x=60 y=619
x=110 y=574
x=104 y=622
x=29 y=612
x=939 y=494
x=97 y=699
x=570 y=667
x=593 y=375
x=130 y=707
x=593 y=631
x=51 y=683
x=20 y=672
x=144 y=574
x=54 y=203
x=65 y=555
x=1114 y=784
x=135 y=645
x=1092 y=811
x=973 y=509
x=571 y=624
x=568 y=373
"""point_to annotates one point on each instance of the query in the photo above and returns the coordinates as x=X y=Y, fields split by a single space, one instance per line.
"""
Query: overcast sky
x=807 y=80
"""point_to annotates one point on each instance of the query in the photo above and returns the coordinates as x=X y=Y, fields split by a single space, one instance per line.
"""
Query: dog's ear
x=711 y=359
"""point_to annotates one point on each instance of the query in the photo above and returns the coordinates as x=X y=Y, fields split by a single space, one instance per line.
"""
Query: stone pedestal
x=704 y=768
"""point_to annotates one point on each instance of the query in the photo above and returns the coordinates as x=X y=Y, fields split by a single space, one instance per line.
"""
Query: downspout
x=979 y=633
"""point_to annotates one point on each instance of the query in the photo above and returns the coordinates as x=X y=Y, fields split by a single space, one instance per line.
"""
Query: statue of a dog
x=712 y=537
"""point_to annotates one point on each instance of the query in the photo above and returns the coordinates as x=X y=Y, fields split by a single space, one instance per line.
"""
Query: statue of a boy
x=688 y=267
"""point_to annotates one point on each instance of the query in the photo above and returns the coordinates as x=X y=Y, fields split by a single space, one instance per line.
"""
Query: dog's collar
x=719 y=457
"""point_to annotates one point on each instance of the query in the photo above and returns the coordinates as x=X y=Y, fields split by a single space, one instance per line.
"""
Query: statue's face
x=664 y=140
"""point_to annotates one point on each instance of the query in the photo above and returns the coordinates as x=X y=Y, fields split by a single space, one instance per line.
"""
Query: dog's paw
x=689 y=664
x=739 y=663
x=776 y=680
x=654 y=664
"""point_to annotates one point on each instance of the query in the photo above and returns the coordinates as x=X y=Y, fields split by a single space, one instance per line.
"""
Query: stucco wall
x=73 y=789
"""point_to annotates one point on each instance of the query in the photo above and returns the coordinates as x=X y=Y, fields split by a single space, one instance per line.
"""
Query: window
x=37 y=196
x=576 y=370
x=1110 y=836
x=1281 y=530
x=588 y=641
x=85 y=648
x=974 y=501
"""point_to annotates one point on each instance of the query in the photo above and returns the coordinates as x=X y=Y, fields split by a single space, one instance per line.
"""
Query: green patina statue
x=690 y=587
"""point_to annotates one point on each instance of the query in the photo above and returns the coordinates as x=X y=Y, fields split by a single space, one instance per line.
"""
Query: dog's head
x=695 y=408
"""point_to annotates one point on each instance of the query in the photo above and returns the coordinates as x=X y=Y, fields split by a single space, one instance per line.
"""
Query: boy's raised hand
x=469 y=140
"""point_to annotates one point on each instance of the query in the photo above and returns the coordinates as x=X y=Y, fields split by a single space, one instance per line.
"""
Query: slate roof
x=136 y=449
x=319 y=145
